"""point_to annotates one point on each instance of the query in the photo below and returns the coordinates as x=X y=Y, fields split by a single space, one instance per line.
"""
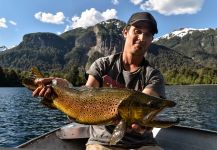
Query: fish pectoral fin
x=118 y=132
x=48 y=103
x=162 y=123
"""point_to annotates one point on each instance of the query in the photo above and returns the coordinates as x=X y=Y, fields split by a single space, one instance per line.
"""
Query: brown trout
x=104 y=106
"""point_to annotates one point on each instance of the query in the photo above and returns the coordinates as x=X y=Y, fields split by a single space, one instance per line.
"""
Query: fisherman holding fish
x=128 y=69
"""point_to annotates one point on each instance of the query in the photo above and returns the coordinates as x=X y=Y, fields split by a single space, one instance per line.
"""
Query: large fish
x=104 y=106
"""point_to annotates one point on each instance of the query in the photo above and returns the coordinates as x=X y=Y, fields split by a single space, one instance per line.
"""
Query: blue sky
x=19 y=17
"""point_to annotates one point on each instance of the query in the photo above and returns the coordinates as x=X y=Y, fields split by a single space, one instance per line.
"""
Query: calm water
x=195 y=104
x=22 y=117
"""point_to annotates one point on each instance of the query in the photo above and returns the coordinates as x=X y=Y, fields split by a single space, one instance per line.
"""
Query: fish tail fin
x=29 y=80
x=35 y=72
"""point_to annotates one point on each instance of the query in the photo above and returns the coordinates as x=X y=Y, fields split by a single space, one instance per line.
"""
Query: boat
x=74 y=137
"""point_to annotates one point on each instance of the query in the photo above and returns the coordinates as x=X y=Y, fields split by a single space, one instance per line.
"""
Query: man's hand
x=140 y=129
x=44 y=89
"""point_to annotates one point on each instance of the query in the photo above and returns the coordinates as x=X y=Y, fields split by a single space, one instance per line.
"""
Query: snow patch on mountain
x=180 y=33
x=3 y=48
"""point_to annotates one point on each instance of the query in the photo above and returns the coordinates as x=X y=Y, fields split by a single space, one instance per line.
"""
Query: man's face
x=138 y=39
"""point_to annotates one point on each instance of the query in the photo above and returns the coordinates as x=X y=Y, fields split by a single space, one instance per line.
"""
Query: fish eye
x=153 y=104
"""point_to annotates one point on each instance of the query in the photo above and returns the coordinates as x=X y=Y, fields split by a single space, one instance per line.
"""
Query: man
x=128 y=69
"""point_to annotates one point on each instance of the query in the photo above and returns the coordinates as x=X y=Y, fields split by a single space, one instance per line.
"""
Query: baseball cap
x=146 y=17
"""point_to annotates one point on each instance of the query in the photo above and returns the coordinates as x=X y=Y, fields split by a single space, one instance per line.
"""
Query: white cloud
x=109 y=14
x=136 y=2
x=13 y=22
x=58 y=18
x=3 y=23
x=115 y=2
x=91 y=17
x=173 y=7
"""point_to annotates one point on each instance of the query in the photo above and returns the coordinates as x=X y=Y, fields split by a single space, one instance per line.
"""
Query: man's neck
x=131 y=62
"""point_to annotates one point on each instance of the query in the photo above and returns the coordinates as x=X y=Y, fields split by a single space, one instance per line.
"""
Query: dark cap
x=146 y=17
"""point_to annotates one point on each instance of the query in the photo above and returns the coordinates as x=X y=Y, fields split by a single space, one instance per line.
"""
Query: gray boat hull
x=175 y=138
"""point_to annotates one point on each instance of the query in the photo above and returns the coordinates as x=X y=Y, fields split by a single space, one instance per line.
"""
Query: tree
x=2 y=77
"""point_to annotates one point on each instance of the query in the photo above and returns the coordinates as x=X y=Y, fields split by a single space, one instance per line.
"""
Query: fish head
x=142 y=108
x=154 y=106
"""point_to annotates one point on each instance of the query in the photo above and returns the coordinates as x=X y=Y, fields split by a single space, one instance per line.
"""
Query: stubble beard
x=138 y=51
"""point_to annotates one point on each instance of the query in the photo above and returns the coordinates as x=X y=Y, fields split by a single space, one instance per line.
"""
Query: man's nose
x=141 y=37
x=145 y=36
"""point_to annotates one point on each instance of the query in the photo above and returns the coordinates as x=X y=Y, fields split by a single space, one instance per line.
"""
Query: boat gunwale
x=38 y=137
x=178 y=127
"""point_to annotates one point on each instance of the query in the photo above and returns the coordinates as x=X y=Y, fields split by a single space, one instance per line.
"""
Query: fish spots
x=103 y=105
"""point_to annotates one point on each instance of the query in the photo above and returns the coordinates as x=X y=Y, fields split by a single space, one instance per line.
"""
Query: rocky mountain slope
x=198 y=44
x=80 y=47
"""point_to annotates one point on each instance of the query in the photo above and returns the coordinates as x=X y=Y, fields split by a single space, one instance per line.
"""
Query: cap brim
x=144 y=20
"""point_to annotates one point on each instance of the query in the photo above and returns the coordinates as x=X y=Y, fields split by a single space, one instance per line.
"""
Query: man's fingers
x=137 y=128
x=41 y=93
x=37 y=90
x=140 y=129
x=44 y=89
x=48 y=92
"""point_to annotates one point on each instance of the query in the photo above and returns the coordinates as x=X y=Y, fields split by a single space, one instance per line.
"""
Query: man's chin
x=136 y=53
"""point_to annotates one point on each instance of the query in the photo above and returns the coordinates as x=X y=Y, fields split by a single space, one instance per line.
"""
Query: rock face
x=80 y=47
x=41 y=40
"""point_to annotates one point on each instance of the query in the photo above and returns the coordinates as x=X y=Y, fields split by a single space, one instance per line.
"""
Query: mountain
x=80 y=47
x=165 y=58
x=198 y=44
x=45 y=49
x=3 y=48
x=86 y=45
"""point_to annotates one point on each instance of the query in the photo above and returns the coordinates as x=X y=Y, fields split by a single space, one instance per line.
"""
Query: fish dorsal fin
x=35 y=71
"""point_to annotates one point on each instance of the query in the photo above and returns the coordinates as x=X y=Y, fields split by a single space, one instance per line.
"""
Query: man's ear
x=124 y=32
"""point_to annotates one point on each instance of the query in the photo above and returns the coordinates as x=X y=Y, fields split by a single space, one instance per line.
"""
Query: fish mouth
x=171 y=103
x=152 y=114
x=157 y=108
x=153 y=120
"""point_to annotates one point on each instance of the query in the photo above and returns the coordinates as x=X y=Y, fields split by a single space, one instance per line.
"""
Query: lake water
x=22 y=117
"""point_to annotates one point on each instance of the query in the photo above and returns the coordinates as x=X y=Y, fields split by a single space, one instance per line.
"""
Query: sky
x=20 y=17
